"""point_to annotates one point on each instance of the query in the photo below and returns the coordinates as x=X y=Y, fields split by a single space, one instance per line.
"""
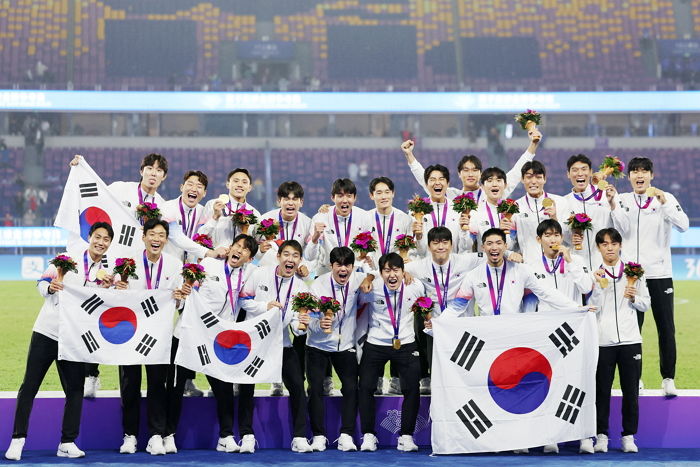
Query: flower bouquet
x=364 y=244
x=329 y=307
x=508 y=207
x=63 y=263
x=147 y=211
x=419 y=207
x=268 y=228
x=126 y=268
x=303 y=303
x=529 y=120
x=245 y=218
x=578 y=223
x=465 y=203
x=192 y=273
x=423 y=307
x=404 y=243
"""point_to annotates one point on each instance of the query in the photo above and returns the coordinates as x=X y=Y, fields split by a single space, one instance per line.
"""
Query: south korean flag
x=509 y=382
x=115 y=327
x=87 y=200
x=248 y=352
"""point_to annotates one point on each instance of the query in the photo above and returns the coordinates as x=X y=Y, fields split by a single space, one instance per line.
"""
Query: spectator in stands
x=8 y=221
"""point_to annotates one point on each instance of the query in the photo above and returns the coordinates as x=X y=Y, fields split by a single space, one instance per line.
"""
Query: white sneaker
x=155 y=446
x=380 y=387
x=369 y=442
x=129 y=445
x=92 y=385
x=601 y=443
x=69 y=450
x=394 y=386
x=669 y=388
x=169 y=444
x=319 y=443
x=14 y=452
x=346 y=443
x=406 y=444
x=628 y=444
x=248 y=444
x=300 y=444
x=641 y=386
x=551 y=449
x=425 y=386
x=521 y=451
x=276 y=390
x=586 y=446
x=327 y=386
x=236 y=390
x=227 y=444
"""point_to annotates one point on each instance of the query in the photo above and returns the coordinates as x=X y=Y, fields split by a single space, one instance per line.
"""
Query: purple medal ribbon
x=278 y=286
x=496 y=303
x=394 y=317
x=595 y=194
x=619 y=274
x=231 y=296
x=344 y=295
x=187 y=230
x=384 y=246
x=558 y=264
x=444 y=216
x=488 y=211
x=283 y=228
x=348 y=228
x=442 y=296
x=646 y=205
x=148 y=271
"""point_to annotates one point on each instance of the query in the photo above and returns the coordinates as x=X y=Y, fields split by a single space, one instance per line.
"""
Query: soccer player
x=333 y=339
x=156 y=270
x=392 y=338
x=274 y=287
x=43 y=347
x=650 y=216
x=493 y=184
x=620 y=342
x=387 y=221
x=222 y=292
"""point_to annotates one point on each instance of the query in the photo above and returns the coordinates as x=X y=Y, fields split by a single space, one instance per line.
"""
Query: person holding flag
x=88 y=271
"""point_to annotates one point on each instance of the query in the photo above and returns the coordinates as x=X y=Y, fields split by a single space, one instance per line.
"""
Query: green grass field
x=20 y=305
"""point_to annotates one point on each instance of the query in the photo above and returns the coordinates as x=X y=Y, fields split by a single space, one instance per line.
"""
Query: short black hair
x=290 y=188
x=393 y=260
x=537 y=168
x=343 y=186
x=342 y=255
x=153 y=223
x=196 y=173
x=549 y=224
x=493 y=231
x=152 y=158
x=609 y=232
x=438 y=234
x=101 y=225
x=249 y=243
x=291 y=243
x=640 y=163
x=469 y=158
x=376 y=181
x=239 y=170
x=437 y=167
x=493 y=172
x=578 y=158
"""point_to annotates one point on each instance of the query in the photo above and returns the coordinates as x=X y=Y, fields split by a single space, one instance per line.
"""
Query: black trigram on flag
x=92 y=304
x=263 y=328
x=570 y=404
x=209 y=319
x=467 y=350
x=474 y=419
x=90 y=342
x=126 y=237
x=149 y=306
x=105 y=262
x=88 y=190
x=252 y=369
x=203 y=355
x=564 y=339
x=146 y=345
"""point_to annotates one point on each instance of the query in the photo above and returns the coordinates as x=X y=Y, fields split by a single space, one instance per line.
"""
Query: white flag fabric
x=512 y=381
x=248 y=352
x=86 y=200
x=115 y=327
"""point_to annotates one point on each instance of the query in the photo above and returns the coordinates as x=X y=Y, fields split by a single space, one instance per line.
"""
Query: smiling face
x=494 y=248
x=437 y=186
x=579 y=175
x=548 y=239
x=610 y=250
x=341 y=272
x=534 y=183
x=382 y=196
x=239 y=186
x=343 y=203
x=192 y=191
x=289 y=259
x=99 y=242
x=470 y=175
x=392 y=276
x=238 y=254
x=493 y=188
x=155 y=240
x=289 y=206
x=152 y=176
x=440 y=250
x=640 y=180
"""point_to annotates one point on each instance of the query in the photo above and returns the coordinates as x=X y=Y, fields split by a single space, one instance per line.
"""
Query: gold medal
x=223 y=198
x=547 y=202
x=651 y=192
x=555 y=246
x=396 y=343
x=603 y=282
x=602 y=185
x=101 y=274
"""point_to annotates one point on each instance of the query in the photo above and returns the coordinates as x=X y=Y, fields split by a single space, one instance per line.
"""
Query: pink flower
x=424 y=302
x=267 y=222
x=244 y=212
x=119 y=261
x=151 y=206
x=326 y=299
x=400 y=237
x=632 y=264
x=581 y=217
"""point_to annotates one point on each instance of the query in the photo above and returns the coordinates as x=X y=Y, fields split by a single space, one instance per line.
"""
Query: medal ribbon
x=496 y=303
x=384 y=246
x=148 y=271
x=394 y=317
x=442 y=296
